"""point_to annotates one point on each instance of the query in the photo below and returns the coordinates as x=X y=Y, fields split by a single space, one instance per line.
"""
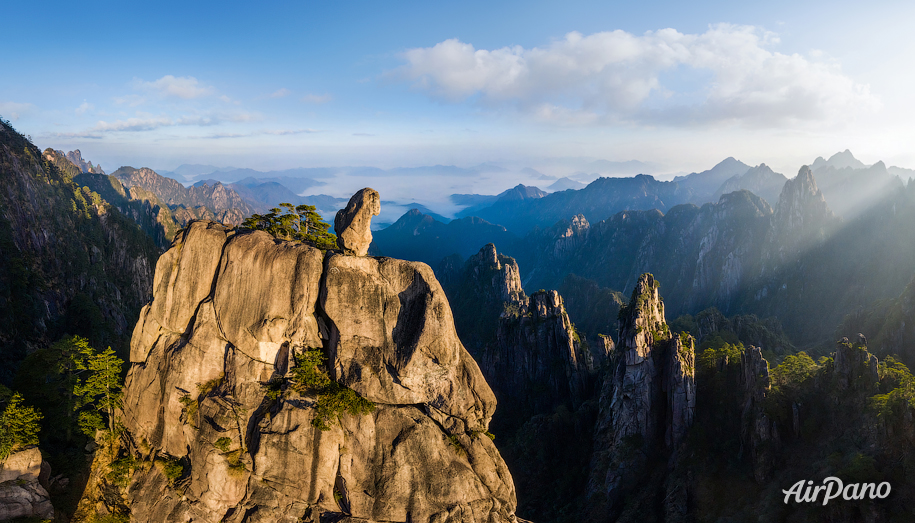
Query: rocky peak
x=855 y=367
x=648 y=398
x=642 y=320
x=500 y=272
x=521 y=192
x=801 y=217
x=77 y=158
x=527 y=346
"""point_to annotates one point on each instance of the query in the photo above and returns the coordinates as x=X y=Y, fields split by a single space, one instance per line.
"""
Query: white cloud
x=148 y=122
x=185 y=87
x=317 y=99
x=618 y=76
x=279 y=93
x=13 y=110
x=83 y=107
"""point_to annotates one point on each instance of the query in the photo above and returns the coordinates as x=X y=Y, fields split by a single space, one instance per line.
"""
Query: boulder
x=352 y=223
x=21 y=494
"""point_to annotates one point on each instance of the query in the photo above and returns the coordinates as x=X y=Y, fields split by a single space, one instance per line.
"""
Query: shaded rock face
x=855 y=367
x=229 y=313
x=647 y=402
x=21 y=493
x=802 y=218
x=527 y=346
x=62 y=250
x=758 y=434
x=352 y=223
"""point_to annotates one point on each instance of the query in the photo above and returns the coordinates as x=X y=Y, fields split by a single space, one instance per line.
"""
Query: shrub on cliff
x=333 y=399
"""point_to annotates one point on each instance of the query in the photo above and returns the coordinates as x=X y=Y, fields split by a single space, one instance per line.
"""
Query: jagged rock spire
x=648 y=398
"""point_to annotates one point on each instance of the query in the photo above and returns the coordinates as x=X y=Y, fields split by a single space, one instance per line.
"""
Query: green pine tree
x=299 y=223
x=100 y=390
x=19 y=426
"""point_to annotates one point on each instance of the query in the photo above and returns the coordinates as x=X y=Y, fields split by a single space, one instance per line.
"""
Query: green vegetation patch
x=309 y=377
x=19 y=425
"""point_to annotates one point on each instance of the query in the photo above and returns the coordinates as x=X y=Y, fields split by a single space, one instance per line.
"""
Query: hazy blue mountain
x=296 y=185
x=194 y=170
x=266 y=195
x=850 y=191
x=534 y=173
x=901 y=172
x=476 y=202
x=601 y=199
x=565 y=183
x=705 y=184
x=419 y=237
x=839 y=161
x=760 y=180
x=521 y=192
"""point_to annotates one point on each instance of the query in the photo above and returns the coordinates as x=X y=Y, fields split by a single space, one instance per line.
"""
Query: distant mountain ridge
x=760 y=180
x=76 y=158
x=704 y=184
x=205 y=201
x=599 y=200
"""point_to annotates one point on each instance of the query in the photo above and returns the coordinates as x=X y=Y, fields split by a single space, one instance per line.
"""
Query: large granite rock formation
x=209 y=389
x=647 y=401
x=352 y=222
x=21 y=493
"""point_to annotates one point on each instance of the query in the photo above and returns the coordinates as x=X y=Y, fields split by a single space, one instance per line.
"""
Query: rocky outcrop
x=209 y=392
x=647 y=402
x=802 y=218
x=855 y=367
x=353 y=223
x=21 y=493
x=759 y=434
x=76 y=158
x=526 y=345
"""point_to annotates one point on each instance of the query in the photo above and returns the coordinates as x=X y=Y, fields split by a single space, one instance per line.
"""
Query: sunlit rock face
x=230 y=312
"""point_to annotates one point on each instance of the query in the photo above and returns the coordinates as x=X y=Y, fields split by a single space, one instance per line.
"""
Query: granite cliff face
x=209 y=388
x=647 y=403
x=527 y=346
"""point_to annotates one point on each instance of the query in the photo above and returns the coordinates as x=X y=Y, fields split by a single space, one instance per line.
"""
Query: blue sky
x=412 y=83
